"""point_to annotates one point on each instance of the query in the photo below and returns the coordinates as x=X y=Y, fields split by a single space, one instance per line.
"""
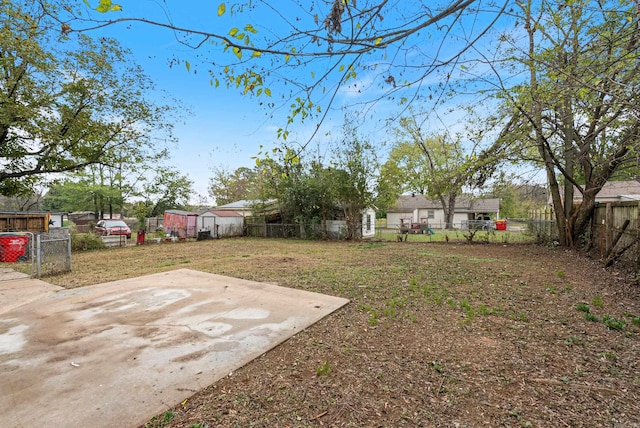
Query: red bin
x=140 y=237
x=501 y=224
x=12 y=247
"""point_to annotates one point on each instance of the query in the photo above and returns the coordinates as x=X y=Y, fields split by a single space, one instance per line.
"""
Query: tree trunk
x=448 y=206
x=579 y=221
x=569 y=61
x=554 y=189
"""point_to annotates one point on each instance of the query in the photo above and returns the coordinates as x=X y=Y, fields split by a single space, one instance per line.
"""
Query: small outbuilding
x=182 y=224
x=221 y=223
x=335 y=229
x=369 y=223
x=30 y=221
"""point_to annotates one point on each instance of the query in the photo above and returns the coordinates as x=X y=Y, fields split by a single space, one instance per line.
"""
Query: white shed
x=221 y=223
x=335 y=228
x=368 y=223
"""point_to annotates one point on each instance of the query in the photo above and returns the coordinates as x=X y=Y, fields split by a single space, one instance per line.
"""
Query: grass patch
x=614 y=323
x=591 y=317
x=583 y=307
x=510 y=237
x=597 y=301
x=323 y=369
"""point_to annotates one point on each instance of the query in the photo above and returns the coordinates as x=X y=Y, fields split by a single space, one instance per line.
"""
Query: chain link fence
x=25 y=254
x=297 y=231
x=53 y=252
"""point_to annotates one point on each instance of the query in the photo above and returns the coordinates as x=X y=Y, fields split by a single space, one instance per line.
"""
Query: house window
x=431 y=214
x=368 y=222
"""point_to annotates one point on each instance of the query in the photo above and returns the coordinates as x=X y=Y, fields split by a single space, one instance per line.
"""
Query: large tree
x=406 y=169
x=67 y=101
x=226 y=186
x=311 y=190
x=353 y=176
x=580 y=108
x=165 y=189
x=444 y=170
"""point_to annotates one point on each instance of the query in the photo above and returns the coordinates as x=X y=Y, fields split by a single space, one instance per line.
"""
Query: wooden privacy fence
x=542 y=224
x=614 y=232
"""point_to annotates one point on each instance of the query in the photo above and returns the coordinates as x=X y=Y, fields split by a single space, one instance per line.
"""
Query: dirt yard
x=436 y=334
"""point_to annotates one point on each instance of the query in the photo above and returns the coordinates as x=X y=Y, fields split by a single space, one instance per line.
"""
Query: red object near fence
x=501 y=224
x=12 y=247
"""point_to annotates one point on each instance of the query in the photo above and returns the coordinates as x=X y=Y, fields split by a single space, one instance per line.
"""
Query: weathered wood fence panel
x=608 y=234
x=608 y=221
x=543 y=224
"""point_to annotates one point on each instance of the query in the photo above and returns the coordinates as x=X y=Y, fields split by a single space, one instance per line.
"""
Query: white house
x=613 y=191
x=221 y=222
x=418 y=209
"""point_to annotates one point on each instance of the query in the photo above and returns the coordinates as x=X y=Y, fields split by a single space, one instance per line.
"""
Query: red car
x=112 y=227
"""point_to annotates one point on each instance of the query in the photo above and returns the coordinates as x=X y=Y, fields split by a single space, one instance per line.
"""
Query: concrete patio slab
x=18 y=289
x=116 y=354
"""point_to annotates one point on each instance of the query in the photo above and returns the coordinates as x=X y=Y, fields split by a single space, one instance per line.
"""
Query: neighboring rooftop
x=225 y=213
x=614 y=191
x=463 y=204
x=244 y=204
x=181 y=212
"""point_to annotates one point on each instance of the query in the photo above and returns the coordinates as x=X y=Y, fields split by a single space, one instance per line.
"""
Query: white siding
x=422 y=215
x=438 y=221
x=230 y=226
x=458 y=218
x=336 y=229
x=206 y=221
x=225 y=226
x=394 y=220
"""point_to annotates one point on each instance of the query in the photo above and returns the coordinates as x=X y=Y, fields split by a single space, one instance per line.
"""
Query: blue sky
x=219 y=127
x=223 y=128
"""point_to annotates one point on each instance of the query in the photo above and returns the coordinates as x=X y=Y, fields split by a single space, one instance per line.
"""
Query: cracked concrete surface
x=116 y=354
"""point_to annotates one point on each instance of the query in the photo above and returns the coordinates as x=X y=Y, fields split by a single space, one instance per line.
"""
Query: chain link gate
x=53 y=252
x=25 y=254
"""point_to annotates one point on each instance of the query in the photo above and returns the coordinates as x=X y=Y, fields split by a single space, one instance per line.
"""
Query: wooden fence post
x=637 y=255
x=608 y=219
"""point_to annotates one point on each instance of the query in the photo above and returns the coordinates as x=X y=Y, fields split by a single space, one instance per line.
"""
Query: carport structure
x=116 y=354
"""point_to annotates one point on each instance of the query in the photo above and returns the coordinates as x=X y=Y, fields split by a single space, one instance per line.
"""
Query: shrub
x=85 y=241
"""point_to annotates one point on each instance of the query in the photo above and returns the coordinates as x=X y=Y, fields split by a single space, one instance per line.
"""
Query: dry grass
x=435 y=335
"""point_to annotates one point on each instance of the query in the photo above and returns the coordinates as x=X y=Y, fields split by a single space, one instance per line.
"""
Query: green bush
x=85 y=241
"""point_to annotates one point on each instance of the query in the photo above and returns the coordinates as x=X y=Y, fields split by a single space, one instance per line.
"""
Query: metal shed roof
x=181 y=212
